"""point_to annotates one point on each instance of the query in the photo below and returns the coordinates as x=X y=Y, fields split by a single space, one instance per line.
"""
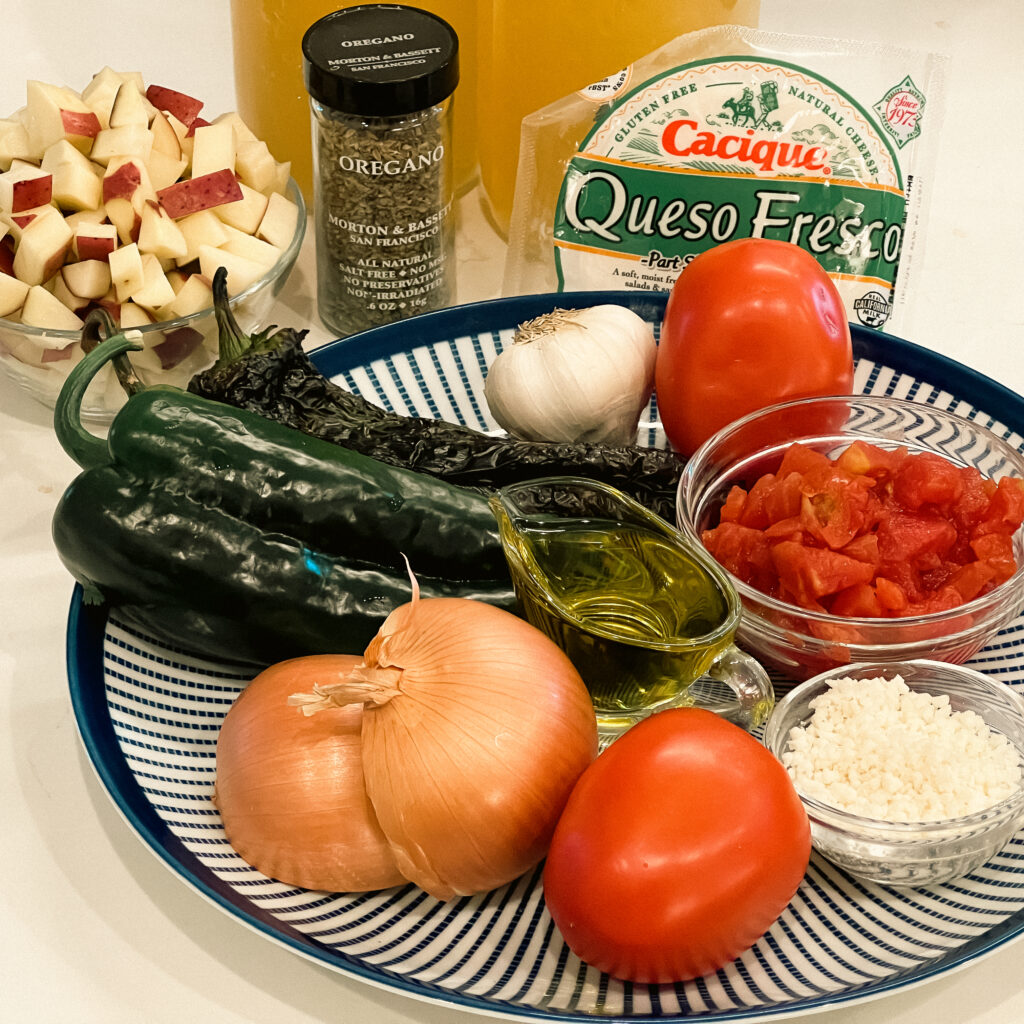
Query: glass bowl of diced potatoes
x=910 y=772
x=123 y=196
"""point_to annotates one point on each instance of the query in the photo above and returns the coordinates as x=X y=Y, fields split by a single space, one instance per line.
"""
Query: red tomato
x=749 y=323
x=679 y=847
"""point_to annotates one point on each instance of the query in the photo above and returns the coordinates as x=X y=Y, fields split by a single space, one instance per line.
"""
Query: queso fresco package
x=729 y=133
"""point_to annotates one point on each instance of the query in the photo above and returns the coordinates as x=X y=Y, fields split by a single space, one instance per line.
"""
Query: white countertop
x=93 y=928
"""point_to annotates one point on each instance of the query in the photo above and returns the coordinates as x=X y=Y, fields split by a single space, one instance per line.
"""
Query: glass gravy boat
x=646 y=617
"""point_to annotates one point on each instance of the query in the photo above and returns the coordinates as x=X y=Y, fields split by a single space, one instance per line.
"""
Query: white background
x=93 y=929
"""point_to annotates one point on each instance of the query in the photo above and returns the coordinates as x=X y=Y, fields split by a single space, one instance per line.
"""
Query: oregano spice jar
x=380 y=79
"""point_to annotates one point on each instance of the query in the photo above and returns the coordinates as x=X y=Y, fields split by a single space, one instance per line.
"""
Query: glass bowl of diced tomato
x=861 y=529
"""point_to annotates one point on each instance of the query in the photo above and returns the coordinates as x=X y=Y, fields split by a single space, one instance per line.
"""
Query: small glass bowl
x=21 y=346
x=799 y=643
x=914 y=853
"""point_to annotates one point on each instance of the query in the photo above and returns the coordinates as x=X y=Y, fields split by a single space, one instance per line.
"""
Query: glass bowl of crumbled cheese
x=910 y=772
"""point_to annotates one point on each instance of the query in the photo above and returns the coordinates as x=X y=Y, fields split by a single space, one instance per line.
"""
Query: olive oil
x=636 y=612
x=647 y=618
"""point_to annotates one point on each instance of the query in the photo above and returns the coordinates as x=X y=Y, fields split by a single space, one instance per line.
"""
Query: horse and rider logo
x=750 y=111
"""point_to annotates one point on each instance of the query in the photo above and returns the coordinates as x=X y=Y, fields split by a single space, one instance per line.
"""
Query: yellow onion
x=290 y=790
x=475 y=729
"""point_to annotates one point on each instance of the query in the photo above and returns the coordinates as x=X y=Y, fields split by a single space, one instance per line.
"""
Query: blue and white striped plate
x=149 y=718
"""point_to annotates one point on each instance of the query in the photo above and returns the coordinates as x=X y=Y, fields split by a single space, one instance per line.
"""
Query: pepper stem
x=232 y=341
x=86 y=448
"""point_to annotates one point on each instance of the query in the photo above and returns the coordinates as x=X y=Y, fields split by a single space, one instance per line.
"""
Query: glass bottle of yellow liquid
x=533 y=52
x=273 y=102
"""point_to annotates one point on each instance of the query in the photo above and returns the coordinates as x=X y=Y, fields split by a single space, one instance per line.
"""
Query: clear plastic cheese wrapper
x=729 y=133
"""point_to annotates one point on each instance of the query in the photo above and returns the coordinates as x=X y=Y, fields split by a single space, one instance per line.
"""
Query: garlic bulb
x=575 y=375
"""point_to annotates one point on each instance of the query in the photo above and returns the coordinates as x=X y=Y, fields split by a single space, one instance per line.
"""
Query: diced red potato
x=25 y=186
x=94 y=241
x=125 y=218
x=12 y=294
x=127 y=274
x=245 y=214
x=159 y=234
x=185 y=108
x=202 y=228
x=213 y=149
x=195 y=125
x=54 y=112
x=194 y=295
x=128 y=140
x=89 y=279
x=132 y=315
x=279 y=220
x=202 y=193
x=77 y=185
x=6 y=256
x=96 y=208
x=14 y=144
x=42 y=249
x=58 y=355
x=130 y=107
x=42 y=309
x=177 y=346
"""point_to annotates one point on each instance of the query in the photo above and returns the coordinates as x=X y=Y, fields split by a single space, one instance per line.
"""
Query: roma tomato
x=679 y=847
x=749 y=323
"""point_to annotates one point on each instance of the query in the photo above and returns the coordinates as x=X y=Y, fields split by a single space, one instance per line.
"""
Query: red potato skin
x=185 y=108
x=177 y=345
x=7 y=256
x=679 y=847
x=197 y=123
x=80 y=124
x=93 y=248
x=202 y=193
x=31 y=192
x=56 y=261
x=122 y=183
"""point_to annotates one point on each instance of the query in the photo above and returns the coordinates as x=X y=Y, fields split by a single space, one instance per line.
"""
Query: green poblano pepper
x=233 y=536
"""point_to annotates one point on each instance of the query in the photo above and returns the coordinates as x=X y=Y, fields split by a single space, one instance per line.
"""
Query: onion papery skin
x=470 y=765
x=290 y=787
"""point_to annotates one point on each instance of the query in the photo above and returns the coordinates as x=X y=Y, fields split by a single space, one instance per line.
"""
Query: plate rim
x=86 y=678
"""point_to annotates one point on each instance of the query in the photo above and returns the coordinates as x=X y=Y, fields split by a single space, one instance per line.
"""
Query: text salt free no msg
x=876 y=748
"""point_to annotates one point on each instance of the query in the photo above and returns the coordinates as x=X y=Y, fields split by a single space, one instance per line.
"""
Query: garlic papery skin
x=575 y=375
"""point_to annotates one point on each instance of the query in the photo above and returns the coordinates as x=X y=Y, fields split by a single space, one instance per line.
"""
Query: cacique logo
x=683 y=137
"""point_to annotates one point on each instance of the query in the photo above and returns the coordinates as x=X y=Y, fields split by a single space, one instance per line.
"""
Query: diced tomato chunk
x=798 y=458
x=972 y=580
x=742 y=550
x=927 y=479
x=732 y=509
x=996 y=550
x=1006 y=509
x=807 y=574
x=836 y=512
x=909 y=536
x=858 y=601
x=782 y=501
x=863 y=547
x=862 y=458
x=787 y=529
x=891 y=596
x=754 y=513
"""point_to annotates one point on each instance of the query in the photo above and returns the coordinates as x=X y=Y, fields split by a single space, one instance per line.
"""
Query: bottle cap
x=380 y=60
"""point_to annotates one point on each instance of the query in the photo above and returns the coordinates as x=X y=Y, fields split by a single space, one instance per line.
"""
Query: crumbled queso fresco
x=876 y=748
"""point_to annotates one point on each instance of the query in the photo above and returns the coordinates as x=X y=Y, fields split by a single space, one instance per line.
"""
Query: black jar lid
x=380 y=59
